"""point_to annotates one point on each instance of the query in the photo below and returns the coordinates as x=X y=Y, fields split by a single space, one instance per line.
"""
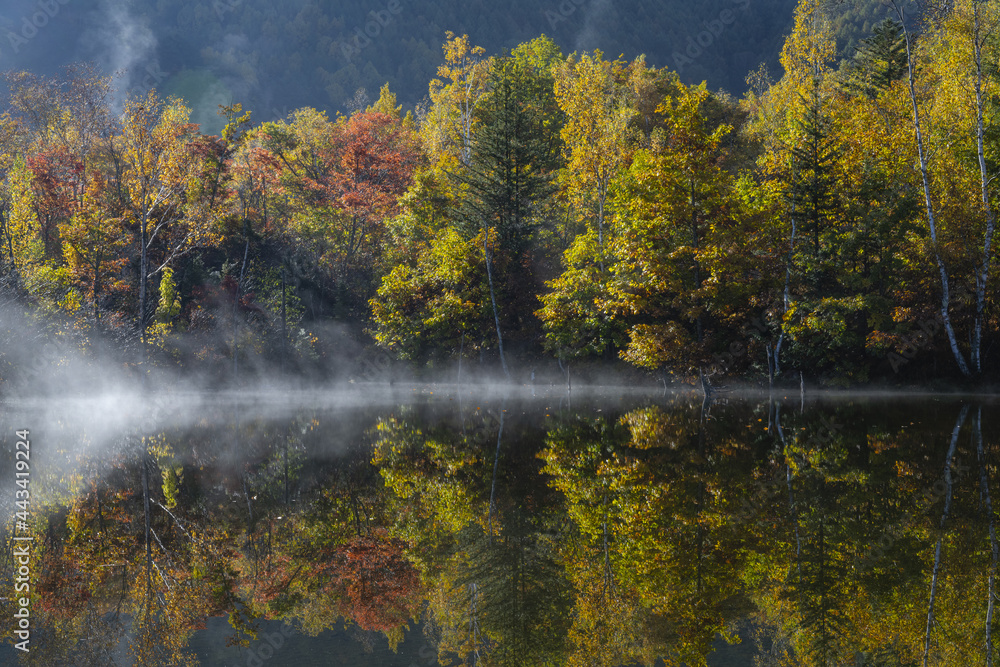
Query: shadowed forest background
x=831 y=215
x=278 y=57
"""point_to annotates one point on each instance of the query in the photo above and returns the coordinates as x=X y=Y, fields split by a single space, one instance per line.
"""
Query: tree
x=574 y=313
x=379 y=585
x=675 y=193
x=811 y=193
x=57 y=179
x=509 y=174
x=94 y=247
x=25 y=249
x=149 y=162
x=343 y=182
x=450 y=128
x=879 y=62
x=594 y=96
x=780 y=115
x=423 y=311
x=932 y=217
x=984 y=22
x=377 y=155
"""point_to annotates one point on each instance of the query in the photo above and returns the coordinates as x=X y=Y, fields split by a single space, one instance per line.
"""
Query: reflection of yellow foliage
x=395 y=638
x=654 y=428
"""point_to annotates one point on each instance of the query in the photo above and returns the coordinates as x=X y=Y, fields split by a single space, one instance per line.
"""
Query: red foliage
x=377 y=157
x=58 y=184
x=367 y=162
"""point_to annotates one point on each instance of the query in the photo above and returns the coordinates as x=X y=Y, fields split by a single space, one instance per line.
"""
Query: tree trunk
x=609 y=577
x=284 y=323
x=944 y=519
x=786 y=295
x=791 y=495
x=697 y=264
x=236 y=303
x=565 y=369
x=493 y=299
x=148 y=530
x=994 y=550
x=143 y=269
x=97 y=293
x=496 y=464
x=600 y=218
x=770 y=369
x=474 y=621
x=983 y=272
x=931 y=221
x=5 y=216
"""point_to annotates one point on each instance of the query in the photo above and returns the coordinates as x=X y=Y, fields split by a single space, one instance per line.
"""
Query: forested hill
x=278 y=56
x=564 y=207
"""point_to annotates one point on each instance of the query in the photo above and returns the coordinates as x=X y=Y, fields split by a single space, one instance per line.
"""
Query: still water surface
x=432 y=525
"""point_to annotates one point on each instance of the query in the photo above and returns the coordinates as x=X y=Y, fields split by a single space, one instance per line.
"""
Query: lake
x=435 y=524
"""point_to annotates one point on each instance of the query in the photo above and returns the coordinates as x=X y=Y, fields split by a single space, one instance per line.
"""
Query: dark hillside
x=275 y=57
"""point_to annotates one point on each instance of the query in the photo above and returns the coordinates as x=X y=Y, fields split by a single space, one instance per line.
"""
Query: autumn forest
x=531 y=372
x=835 y=222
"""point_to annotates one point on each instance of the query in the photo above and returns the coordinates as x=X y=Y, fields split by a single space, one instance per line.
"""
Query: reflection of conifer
x=878 y=62
x=815 y=587
x=523 y=597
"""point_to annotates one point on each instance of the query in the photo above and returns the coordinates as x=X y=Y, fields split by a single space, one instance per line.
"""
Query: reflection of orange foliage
x=280 y=573
x=378 y=584
x=62 y=590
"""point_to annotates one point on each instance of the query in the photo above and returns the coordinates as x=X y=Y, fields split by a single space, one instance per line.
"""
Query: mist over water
x=740 y=482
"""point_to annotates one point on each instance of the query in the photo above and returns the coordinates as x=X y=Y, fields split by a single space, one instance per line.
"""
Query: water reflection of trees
x=849 y=533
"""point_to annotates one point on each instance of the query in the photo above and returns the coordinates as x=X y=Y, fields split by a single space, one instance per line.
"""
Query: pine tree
x=812 y=190
x=879 y=61
x=509 y=174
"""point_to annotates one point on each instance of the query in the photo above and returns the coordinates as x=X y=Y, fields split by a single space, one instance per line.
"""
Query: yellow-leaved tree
x=151 y=161
x=448 y=128
x=594 y=95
